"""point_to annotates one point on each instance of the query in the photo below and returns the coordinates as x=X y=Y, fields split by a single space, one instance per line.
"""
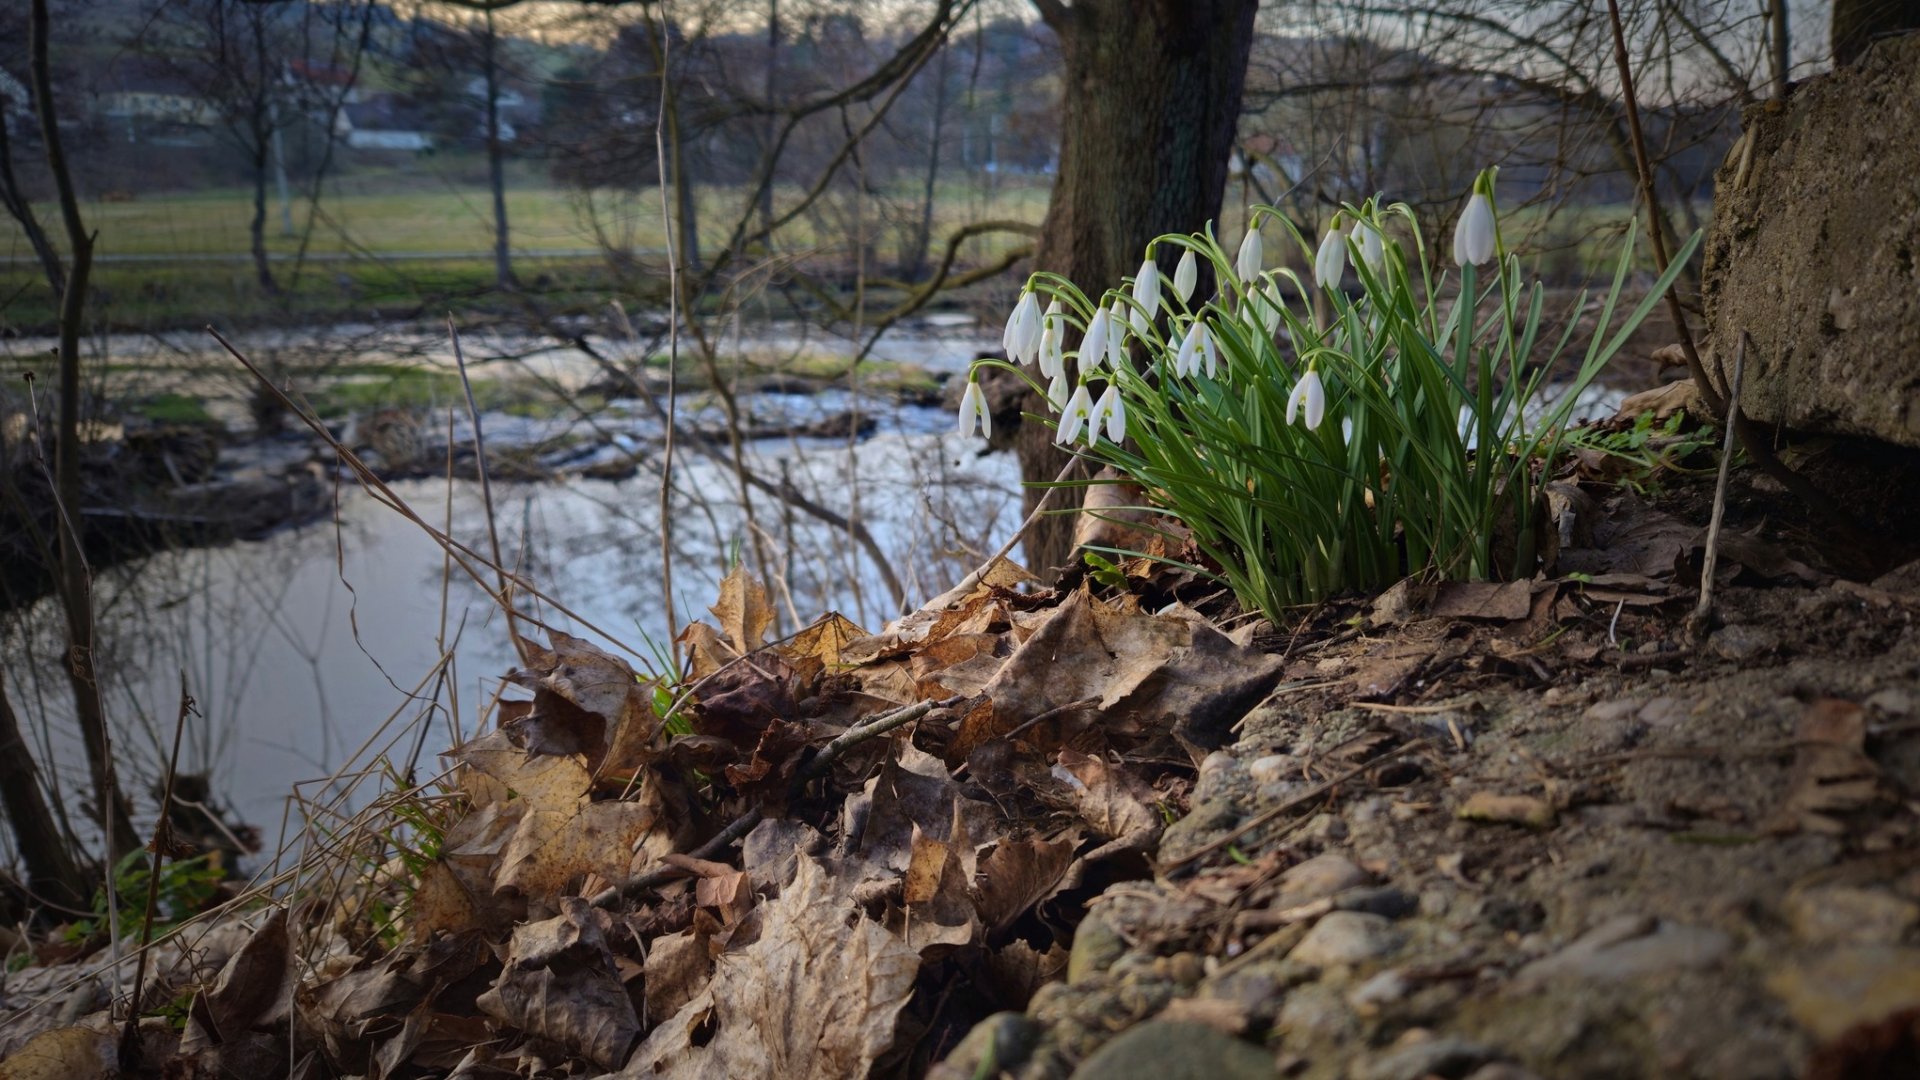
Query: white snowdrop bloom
x=1209 y=355
x=1373 y=246
x=1075 y=417
x=1331 y=260
x=1022 y=336
x=973 y=411
x=1310 y=397
x=1146 y=295
x=1117 y=340
x=1111 y=411
x=1186 y=276
x=1247 y=262
x=1057 y=391
x=1473 y=237
x=1187 y=361
x=1052 y=360
x=1272 y=306
x=1093 y=347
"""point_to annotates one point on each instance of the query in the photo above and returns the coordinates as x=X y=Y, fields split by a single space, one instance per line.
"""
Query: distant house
x=383 y=122
x=317 y=85
x=149 y=104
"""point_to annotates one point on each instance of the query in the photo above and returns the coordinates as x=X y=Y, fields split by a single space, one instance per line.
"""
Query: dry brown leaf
x=456 y=891
x=678 y=966
x=1832 y=775
x=707 y=652
x=255 y=989
x=552 y=848
x=546 y=782
x=66 y=1053
x=560 y=984
x=1116 y=803
x=815 y=998
x=1018 y=874
x=1486 y=806
x=743 y=610
x=1506 y=601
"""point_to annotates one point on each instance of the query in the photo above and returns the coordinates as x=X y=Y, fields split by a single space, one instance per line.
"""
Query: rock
x=1174 y=1050
x=1383 y=989
x=1811 y=251
x=1315 y=1013
x=1486 y=806
x=1663 y=711
x=1274 y=768
x=1096 y=945
x=1000 y=1043
x=1835 y=990
x=1740 y=642
x=1890 y=702
x=1628 y=947
x=1322 y=875
x=1501 y=1070
x=1346 y=937
x=1444 y=1056
x=1848 y=915
x=1378 y=900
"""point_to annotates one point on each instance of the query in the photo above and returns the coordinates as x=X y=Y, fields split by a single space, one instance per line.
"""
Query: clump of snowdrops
x=1311 y=441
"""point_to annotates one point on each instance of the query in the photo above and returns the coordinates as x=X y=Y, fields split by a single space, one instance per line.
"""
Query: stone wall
x=1816 y=229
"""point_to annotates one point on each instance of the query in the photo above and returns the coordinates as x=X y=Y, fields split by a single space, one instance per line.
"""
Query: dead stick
x=1697 y=624
x=742 y=825
x=486 y=492
x=162 y=844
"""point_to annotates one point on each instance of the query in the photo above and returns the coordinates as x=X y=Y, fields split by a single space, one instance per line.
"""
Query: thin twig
x=162 y=845
x=1703 y=611
x=744 y=824
x=972 y=580
x=673 y=339
x=486 y=492
x=1059 y=710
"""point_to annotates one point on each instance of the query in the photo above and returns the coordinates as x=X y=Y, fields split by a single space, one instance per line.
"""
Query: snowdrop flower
x=1052 y=361
x=1247 y=263
x=1270 y=314
x=1022 y=336
x=1331 y=260
x=1075 y=416
x=1473 y=237
x=1093 y=347
x=1117 y=340
x=1111 y=411
x=1373 y=246
x=1209 y=356
x=973 y=411
x=1308 y=395
x=1146 y=293
x=1188 y=360
x=1057 y=391
x=1186 y=276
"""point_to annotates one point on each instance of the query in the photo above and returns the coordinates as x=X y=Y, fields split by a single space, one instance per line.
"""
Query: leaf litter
x=835 y=853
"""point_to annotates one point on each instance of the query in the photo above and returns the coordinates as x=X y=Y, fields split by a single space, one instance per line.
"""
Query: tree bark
x=261 y=119
x=1152 y=99
x=496 y=162
x=76 y=585
x=14 y=199
x=52 y=873
x=1857 y=22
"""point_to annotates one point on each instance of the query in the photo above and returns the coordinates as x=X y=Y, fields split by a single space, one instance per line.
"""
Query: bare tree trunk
x=52 y=873
x=916 y=261
x=76 y=587
x=21 y=210
x=1857 y=22
x=496 y=164
x=683 y=192
x=1152 y=97
x=768 y=124
x=257 y=226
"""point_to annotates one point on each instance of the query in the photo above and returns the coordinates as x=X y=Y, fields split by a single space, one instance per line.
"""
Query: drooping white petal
x=1310 y=397
x=1210 y=356
x=1111 y=412
x=1117 y=340
x=1331 y=260
x=1316 y=400
x=1473 y=236
x=1022 y=338
x=1075 y=417
x=973 y=411
x=1373 y=246
x=1146 y=288
x=1186 y=276
x=1057 y=391
x=1093 y=347
x=1247 y=263
x=1273 y=306
x=1188 y=359
x=1051 y=358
